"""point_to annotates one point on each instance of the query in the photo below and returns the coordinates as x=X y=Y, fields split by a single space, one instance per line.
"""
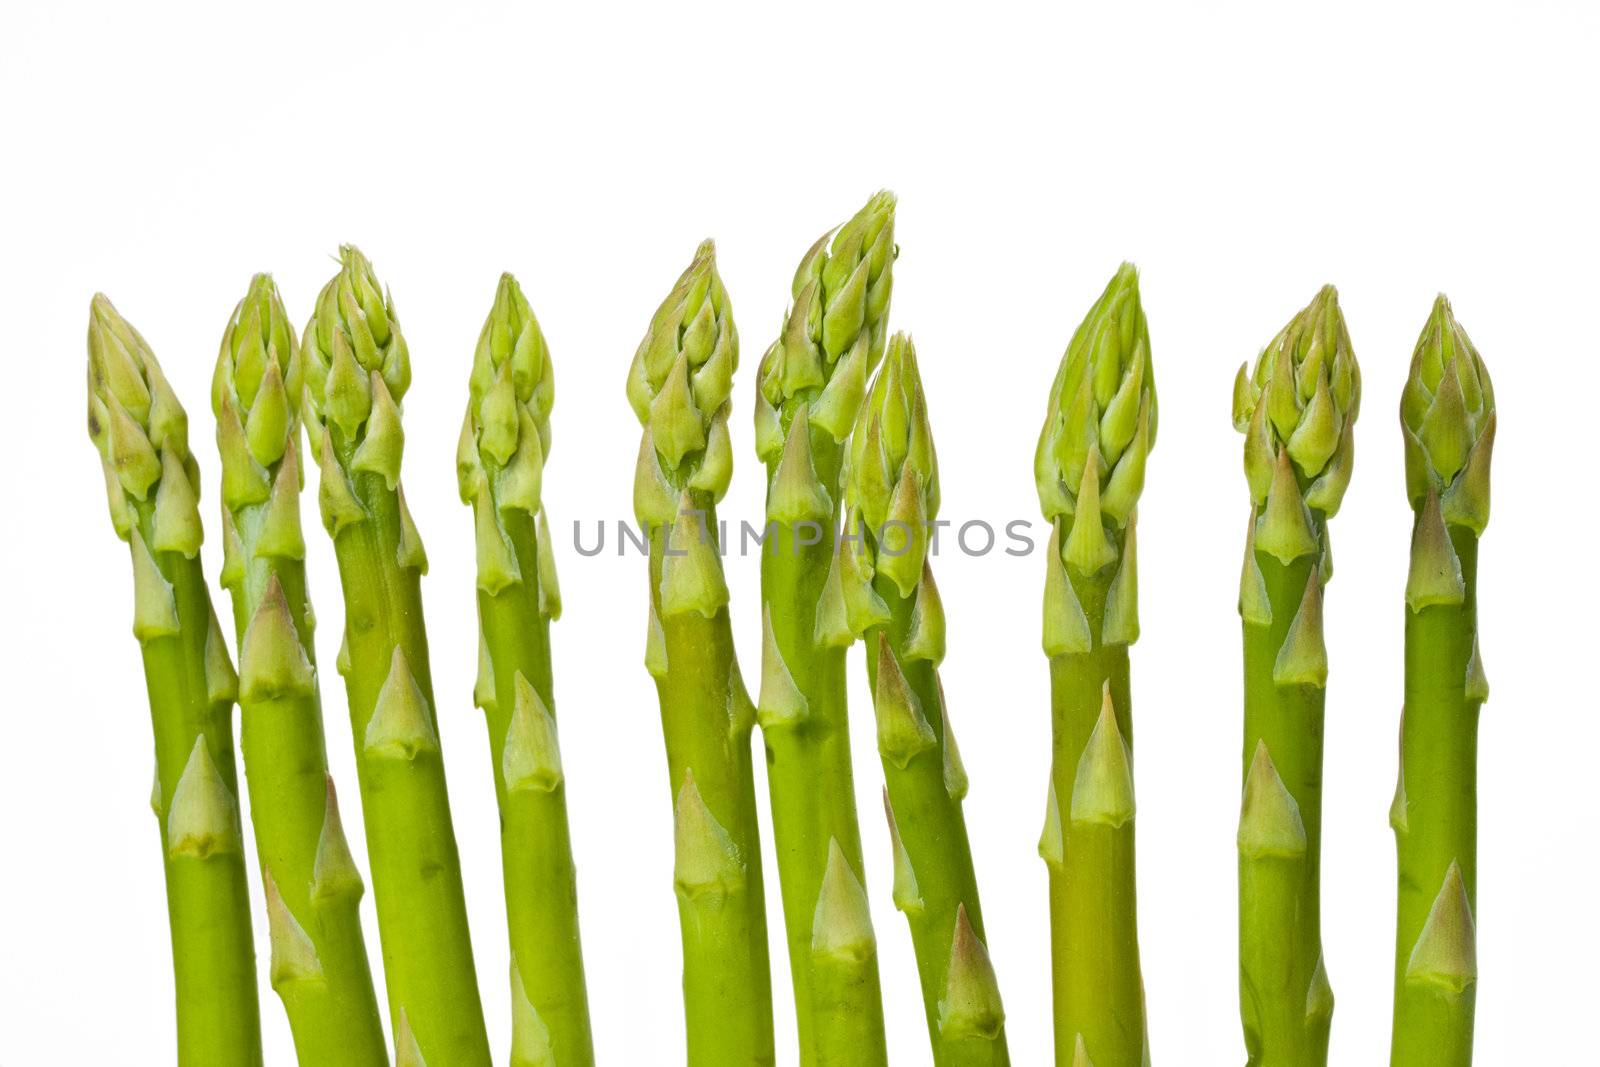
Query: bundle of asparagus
x=836 y=448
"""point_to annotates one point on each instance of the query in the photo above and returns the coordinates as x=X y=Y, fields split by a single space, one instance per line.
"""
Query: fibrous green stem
x=838 y=1004
x=208 y=907
x=706 y=719
x=1284 y=995
x=924 y=801
x=1436 y=829
x=1097 y=983
x=536 y=846
x=416 y=871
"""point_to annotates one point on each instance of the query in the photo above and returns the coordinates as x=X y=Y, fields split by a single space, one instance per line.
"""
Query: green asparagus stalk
x=679 y=387
x=1297 y=410
x=1089 y=467
x=811 y=383
x=891 y=495
x=1447 y=418
x=500 y=465
x=153 y=488
x=319 y=957
x=357 y=368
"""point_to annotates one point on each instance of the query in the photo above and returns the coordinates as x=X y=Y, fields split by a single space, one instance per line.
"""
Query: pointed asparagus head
x=506 y=435
x=833 y=333
x=1101 y=420
x=357 y=365
x=1297 y=410
x=1447 y=418
x=891 y=477
x=142 y=435
x=679 y=386
x=256 y=388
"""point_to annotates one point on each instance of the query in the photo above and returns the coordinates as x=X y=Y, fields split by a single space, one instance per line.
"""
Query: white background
x=1241 y=155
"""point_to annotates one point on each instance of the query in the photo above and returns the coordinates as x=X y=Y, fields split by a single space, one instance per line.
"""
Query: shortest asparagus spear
x=153 y=488
x=1447 y=418
x=891 y=492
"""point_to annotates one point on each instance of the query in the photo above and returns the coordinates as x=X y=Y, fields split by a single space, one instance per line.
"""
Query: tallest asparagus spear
x=319 y=958
x=1297 y=411
x=810 y=386
x=153 y=488
x=357 y=370
x=1089 y=469
x=1448 y=419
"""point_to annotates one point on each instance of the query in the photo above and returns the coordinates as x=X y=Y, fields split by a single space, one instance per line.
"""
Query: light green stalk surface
x=1089 y=468
x=500 y=465
x=679 y=387
x=313 y=889
x=810 y=385
x=1447 y=417
x=1297 y=410
x=153 y=489
x=891 y=495
x=357 y=369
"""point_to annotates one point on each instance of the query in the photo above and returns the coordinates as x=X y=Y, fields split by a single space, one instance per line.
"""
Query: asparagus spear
x=500 y=464
x=357 y=368
x=1297 y=410
x=811 y=383
x=891 y=495
x=1447 y=418
x=679 y=387
x=1089 y=466
x=153 y=488
x=319 y=958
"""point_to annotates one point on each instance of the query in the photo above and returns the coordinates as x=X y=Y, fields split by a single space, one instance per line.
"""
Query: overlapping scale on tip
x=506 y=434
x=834 y=331
x=352 y=348
x=1300 y=401
x=1101 y=421
x=1447 y=417
x=680 y=382
x=142 y=435
x=891 y=474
